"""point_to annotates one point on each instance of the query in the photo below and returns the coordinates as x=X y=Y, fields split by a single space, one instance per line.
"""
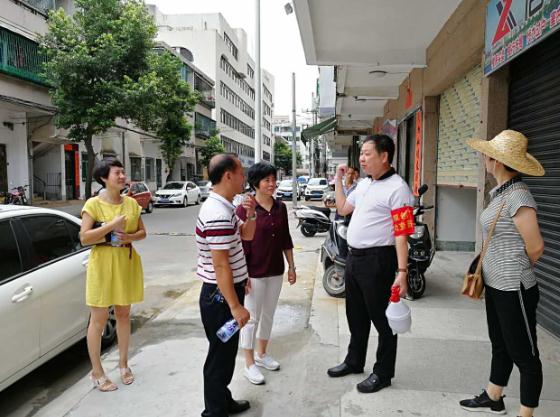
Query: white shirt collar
x=221 y=199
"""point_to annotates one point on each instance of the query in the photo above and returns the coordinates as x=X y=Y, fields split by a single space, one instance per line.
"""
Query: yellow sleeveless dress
x=114 y=275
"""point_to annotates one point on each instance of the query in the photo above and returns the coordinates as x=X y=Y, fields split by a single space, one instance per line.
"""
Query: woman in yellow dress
x=111 y=222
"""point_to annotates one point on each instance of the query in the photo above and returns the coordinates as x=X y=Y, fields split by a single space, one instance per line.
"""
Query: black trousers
x=512 y=327
x=220 y=361
x=369 y=278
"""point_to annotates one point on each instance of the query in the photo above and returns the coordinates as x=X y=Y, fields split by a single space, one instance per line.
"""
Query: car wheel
x=306 y=198
x=110 y=330
x=150 y=207
x=185 y=202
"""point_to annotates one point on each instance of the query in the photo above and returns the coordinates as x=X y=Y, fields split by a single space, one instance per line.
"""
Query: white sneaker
x=254 y=375
x=267 y=362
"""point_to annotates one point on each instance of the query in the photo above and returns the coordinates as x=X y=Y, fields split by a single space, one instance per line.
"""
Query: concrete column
x=429 y=158
x=493 y=119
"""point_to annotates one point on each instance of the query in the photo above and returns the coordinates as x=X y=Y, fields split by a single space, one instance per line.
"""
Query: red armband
x=403 y=221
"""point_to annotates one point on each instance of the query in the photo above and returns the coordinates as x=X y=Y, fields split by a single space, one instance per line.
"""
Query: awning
x=319 y=129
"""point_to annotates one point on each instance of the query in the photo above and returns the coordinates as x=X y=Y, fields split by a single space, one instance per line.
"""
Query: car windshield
x=317 y=181
x=174 y=186
x=203 y=183
x=286 y=183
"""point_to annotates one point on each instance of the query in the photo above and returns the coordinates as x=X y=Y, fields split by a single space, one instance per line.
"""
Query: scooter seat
x=326 y=211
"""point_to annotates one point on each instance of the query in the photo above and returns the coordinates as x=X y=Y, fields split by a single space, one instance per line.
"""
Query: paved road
x=169 y=260
x=169 y=257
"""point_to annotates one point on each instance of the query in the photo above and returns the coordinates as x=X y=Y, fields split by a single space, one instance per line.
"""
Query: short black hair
x=103 y=168
x=220 y=164
x=259 y=172
x=382 y=143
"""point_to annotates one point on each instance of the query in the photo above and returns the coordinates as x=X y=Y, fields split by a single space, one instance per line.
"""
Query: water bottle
x=115 y=242
x=398 y=313
x=229 y=328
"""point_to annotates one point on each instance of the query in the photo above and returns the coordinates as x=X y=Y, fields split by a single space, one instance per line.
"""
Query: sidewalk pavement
x=444 y=359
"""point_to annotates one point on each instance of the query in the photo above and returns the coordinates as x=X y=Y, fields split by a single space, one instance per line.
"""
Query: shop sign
x=418 y=155
x=514 y=26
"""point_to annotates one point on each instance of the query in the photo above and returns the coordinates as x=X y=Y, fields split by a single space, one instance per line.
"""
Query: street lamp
x=258 y=87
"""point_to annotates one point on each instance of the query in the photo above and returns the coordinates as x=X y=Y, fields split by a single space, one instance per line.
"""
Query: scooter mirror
x=422 y=189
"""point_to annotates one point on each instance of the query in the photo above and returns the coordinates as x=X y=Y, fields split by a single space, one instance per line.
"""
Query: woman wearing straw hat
x=511 y=286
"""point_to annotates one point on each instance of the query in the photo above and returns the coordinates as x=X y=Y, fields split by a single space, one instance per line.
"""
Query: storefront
x=532 y=50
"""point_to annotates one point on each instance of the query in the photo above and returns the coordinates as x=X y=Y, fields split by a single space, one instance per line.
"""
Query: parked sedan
x=42 y=289
x=285 y=190
x=178 y=193
x=141 y=193
x=205 y=188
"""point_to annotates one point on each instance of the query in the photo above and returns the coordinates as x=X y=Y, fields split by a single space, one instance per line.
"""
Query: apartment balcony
x=20 y=57
x=42 y=6
x=204 y=127
x=208 y=98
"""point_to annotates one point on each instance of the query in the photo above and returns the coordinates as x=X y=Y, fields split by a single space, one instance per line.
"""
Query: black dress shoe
x=373 y=384
x=342 y=370
x=238 y=406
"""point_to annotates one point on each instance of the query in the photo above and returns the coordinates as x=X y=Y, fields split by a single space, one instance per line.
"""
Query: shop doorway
x=3 y=169
x=72 y=171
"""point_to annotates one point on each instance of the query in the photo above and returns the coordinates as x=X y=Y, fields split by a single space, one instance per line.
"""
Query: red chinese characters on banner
x=418 y=154
x=403 y=221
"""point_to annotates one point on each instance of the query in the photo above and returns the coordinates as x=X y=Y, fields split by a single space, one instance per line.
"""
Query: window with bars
x=136 y=169
x=233 y=122
x=20 y=57
x=203 y=126
x=250 y=71
x=234 y=75
x=149 y=169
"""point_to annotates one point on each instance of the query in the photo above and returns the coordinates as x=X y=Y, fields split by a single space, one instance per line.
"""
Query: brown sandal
x=103 y=384
x=127 y=377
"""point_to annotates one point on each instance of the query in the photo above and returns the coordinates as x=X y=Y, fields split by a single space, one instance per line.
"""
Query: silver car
x=205 y=188
x=42 y=289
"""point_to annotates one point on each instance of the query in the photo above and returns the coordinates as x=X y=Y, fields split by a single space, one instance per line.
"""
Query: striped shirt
x=218 y=228
x=506 y=264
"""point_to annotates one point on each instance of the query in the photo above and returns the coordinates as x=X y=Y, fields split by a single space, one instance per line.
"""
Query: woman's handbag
x=473 y=284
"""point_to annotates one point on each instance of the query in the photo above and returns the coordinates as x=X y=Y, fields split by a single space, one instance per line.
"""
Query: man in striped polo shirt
x=223 y=271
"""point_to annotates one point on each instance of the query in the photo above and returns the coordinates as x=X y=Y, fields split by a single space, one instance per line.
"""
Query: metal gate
x=534 y=109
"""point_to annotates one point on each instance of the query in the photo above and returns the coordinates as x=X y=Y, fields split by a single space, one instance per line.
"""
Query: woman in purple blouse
x=265 y=261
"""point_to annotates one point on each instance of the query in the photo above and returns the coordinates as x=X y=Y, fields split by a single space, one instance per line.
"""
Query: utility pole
x=294 y=139
x=258 y=82
x=314 y=110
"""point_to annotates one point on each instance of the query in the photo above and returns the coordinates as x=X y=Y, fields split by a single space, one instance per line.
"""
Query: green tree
x=213 y=146
x=283 y=157
x=167 y=98
x=94 y=60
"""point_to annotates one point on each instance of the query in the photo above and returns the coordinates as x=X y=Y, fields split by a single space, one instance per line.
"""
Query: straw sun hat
x=509 y=148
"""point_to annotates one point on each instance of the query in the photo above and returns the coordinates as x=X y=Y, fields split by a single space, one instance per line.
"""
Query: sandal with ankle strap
x=127 y=377
x=103 y=384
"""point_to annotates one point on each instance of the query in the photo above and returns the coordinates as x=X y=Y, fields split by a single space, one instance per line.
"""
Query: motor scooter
x=420 y=249
x=313 y=220
x=420 y=254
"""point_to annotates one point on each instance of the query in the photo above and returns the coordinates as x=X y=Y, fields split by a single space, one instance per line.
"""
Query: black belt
x=369 y=251
x=237 y=284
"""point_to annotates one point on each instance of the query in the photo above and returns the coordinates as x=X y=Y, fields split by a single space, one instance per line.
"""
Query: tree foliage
x=100 y=68
x=283 y=156
x=213 y=146
x=167 y=99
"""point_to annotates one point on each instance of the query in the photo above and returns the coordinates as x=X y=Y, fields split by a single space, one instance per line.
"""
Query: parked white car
x=178 y=193
x=42 y=289
x=205 y=188
x=285 y=190
x=316 y=188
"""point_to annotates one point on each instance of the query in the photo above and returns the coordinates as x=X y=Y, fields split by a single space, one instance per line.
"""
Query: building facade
x=221 y=52
x=466 y=69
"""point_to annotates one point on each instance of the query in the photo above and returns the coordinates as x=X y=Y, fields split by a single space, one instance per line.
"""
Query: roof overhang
x=373 y=43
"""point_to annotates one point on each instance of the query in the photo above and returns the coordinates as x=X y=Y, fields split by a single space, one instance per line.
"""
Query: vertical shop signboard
x=513 y=26
x=418 y=154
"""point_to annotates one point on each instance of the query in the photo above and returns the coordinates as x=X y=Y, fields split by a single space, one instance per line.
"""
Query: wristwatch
x=253 y=217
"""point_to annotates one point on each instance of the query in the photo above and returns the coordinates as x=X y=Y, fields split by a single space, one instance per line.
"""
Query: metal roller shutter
x=534 y=109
